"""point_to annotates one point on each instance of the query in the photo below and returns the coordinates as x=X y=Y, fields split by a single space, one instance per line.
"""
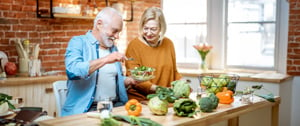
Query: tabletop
x=228 y=112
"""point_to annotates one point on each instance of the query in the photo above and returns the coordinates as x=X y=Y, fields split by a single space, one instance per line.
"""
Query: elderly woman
x=151 y=49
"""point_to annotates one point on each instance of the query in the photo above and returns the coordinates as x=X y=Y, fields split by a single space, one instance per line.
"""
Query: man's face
x=111 y=30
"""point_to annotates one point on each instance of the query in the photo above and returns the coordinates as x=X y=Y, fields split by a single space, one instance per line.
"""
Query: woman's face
x=151 y=31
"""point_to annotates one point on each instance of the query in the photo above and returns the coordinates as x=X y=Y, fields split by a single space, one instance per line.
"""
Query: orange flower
x=203 y=49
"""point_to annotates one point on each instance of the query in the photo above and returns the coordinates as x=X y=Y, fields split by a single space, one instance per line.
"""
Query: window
x=186 y=27
x=251 y=33
x=244 y=33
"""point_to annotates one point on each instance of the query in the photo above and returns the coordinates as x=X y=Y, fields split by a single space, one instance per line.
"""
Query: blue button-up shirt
x=82 y=86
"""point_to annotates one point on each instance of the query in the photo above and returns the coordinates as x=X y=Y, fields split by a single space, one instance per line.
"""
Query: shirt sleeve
x=76 y=66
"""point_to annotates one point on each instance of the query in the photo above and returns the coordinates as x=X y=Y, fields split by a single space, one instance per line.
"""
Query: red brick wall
x=293 y=55
x=18 y=20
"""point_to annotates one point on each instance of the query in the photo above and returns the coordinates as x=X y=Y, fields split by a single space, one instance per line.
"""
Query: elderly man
x=93 y=66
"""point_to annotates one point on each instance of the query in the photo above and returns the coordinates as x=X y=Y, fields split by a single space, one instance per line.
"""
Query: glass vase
x=203 y=65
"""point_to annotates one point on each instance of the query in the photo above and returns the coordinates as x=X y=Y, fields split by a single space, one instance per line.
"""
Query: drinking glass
x=201 y=92
x=105 y=104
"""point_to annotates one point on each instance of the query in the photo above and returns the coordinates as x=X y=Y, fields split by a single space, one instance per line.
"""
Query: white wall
x=295 y=120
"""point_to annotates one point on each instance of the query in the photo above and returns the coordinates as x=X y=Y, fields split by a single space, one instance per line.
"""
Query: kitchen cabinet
x=34 y=91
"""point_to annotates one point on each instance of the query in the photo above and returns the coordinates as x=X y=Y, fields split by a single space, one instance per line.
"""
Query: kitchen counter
x=13 y=81
x=34 y=91
x=222 y=113
x=244 y=76
x=262 y=76
x=269 y=77
x=28 y=87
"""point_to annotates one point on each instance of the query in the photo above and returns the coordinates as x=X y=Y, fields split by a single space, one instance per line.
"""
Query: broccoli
x=214 y=99
x=206 y=105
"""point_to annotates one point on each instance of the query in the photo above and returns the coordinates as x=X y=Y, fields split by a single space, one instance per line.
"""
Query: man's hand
x=111 y=58
x=114 y=57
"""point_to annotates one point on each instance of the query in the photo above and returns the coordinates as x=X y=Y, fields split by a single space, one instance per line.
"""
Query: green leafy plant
x=4 y=98
x=252 y=89
x=185 y=107
x=181 y=88
x=208 y=104
x=158 y=103
x=110 y=122
x=164 y=93
x=133 y=120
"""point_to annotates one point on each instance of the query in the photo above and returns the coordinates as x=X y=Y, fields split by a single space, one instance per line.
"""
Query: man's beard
x=107 y=41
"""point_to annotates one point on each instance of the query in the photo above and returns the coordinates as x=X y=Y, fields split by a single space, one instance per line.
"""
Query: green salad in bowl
x=142 y=73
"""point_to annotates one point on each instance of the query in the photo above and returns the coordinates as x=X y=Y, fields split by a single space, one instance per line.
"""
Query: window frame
x=217 y=26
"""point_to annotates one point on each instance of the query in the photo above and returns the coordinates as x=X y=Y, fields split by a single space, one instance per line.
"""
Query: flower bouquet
x=203 y=49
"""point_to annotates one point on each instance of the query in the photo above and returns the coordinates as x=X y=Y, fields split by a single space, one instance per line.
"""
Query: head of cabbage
x=158 y=106
x=181 y=88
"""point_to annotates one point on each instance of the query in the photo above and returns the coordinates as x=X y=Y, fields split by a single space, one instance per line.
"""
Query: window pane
x=187 y=11
x=251 y=10
x=250 y=45
x=184 y=39
x=187 y=26
x=251 y=33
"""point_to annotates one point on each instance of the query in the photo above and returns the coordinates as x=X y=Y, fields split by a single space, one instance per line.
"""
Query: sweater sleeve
x=131 y=64
x=177 y=74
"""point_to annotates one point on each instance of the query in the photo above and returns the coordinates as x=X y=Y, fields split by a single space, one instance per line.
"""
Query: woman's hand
x=153 y=87
x=130 y=81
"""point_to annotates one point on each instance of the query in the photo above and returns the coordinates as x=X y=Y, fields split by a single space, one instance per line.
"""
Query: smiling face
x=151 y=32
x=111 y=30
x=107 y=27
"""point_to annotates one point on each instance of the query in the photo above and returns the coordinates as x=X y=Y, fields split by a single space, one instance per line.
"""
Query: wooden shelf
x=77 y=16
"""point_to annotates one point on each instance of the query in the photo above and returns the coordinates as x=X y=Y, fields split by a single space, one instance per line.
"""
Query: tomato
x=10 y=68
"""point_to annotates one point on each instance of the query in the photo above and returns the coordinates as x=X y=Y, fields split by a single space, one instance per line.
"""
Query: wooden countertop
x=244 y=76
x=262 y=76
x=223 y=112
x=31 y=80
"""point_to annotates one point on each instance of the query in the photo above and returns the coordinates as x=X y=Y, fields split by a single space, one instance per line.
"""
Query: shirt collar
x=91 y=37
x=93 y=40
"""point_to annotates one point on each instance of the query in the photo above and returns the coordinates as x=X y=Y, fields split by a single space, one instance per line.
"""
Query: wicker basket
x=214 y=83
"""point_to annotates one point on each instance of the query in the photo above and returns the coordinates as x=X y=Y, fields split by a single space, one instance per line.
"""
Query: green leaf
x=269 y=97
x=184 y=107
x=163 y=93
x=257 y=86
x=151 y=96
x=5 y=98
x=136 y=120
x=110 y=122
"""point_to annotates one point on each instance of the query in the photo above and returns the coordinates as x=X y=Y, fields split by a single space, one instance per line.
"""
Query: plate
x=4 y=58
x=6 y=114
x=143 y=78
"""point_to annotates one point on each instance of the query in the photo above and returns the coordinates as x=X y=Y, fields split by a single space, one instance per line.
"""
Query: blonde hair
x=154 y=13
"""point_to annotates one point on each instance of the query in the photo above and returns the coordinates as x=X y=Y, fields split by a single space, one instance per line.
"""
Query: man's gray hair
x=105 y=14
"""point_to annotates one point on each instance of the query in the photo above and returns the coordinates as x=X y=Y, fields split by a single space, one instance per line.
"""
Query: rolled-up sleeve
x=77 y=65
